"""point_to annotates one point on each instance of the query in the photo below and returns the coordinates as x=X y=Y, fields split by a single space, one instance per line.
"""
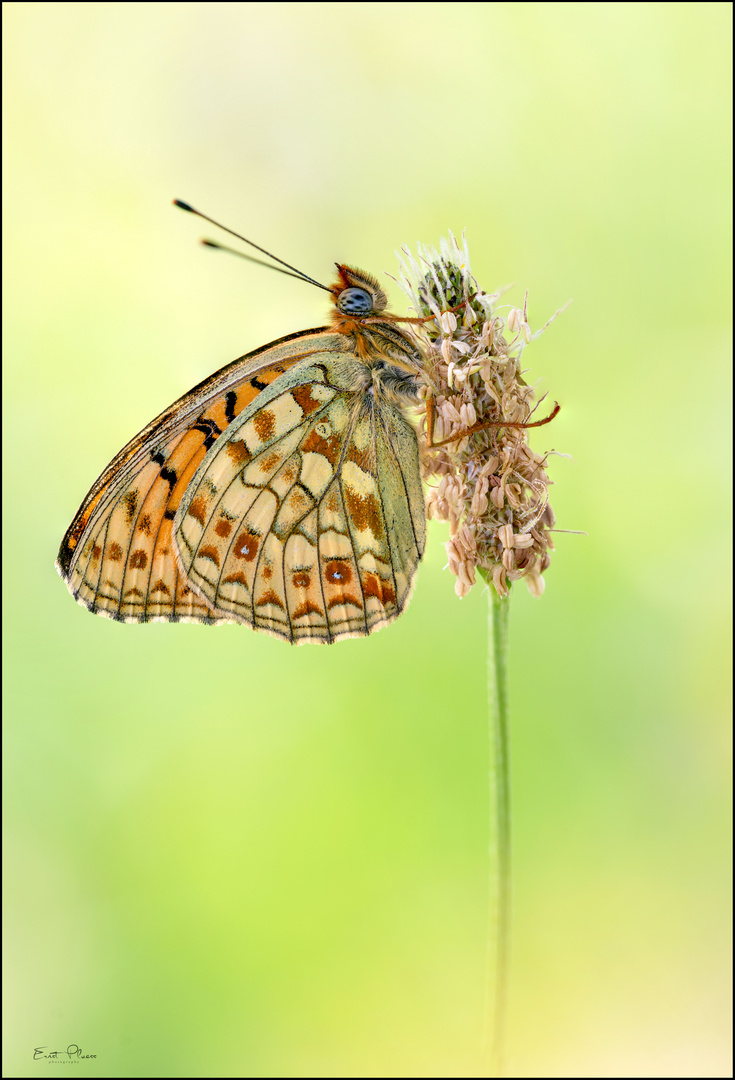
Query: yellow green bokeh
x=228 y=857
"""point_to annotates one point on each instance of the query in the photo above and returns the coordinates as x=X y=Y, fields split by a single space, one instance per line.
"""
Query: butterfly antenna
x=251 y=258
x=296 y=272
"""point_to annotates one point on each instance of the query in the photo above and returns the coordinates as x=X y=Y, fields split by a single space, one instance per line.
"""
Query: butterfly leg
x=430 y=418
x=418 y=318
x=481 y=426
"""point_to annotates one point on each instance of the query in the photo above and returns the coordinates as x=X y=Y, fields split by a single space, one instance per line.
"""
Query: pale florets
x=489 y=485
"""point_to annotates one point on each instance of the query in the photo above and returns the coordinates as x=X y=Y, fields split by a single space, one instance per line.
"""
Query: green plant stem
x=500 y=892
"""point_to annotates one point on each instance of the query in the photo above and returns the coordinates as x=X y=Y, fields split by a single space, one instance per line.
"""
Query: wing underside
x=278 y=493
x=117 y=556
x=307 y=522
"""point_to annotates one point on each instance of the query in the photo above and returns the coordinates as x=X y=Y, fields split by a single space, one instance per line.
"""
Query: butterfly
x=282 y=492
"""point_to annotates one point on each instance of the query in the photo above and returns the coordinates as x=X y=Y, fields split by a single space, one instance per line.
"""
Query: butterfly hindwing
x=306 y=519
x=118 y=554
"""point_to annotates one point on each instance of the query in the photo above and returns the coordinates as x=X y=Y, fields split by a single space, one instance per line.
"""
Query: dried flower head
x=489 y=484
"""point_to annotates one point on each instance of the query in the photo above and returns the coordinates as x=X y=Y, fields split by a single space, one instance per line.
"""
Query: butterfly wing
x=117 y=556
x=306 y=520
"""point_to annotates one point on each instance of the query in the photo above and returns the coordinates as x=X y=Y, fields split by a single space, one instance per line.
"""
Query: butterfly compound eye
x=355 y=302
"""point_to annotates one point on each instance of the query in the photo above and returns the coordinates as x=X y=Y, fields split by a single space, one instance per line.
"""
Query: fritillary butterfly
x=282 y=492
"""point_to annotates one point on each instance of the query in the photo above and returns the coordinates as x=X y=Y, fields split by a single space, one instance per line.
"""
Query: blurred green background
x=228 y=857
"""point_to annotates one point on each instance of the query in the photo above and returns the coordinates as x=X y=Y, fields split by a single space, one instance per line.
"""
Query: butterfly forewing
x=306 y=520
x=118 y=554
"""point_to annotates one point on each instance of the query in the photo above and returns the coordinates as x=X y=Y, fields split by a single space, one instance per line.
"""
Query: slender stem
x=499 y=829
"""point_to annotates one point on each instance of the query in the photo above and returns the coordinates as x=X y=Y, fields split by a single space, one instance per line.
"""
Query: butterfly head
x=359 y=313
x=357 y=294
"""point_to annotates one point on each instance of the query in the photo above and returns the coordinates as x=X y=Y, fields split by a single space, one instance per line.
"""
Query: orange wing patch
x=126 y=568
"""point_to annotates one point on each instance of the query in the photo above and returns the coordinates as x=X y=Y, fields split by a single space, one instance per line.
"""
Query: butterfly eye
x=355 y=302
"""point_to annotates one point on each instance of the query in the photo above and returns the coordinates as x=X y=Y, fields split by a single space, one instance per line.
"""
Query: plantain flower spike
x=489 y=484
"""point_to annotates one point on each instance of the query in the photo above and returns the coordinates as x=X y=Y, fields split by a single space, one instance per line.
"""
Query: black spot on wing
x=169 y=475
x=209 y=429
